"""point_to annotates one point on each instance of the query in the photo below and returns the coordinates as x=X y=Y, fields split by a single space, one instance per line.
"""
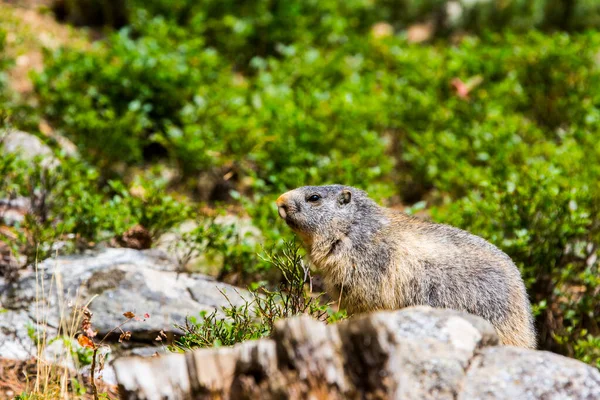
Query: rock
x=433 y=347
x=414 y=353
x=16 y=342
x=26 y=145
x=10 y=260
x=136 y=237
x=117 y=281
x=171 y=384
x=513 y=373
x=13 y=211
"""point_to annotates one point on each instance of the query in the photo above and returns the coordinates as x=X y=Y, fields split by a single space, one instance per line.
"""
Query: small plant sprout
x=255 y=317
x=86 y=336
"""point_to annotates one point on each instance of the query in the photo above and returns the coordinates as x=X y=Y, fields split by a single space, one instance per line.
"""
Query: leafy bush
x=300 y=120
x=222 y=123
x=221 y=244
x=5 y=62
x=244 y=29
x=70 y=210
x=453 y=142
x=145 y=203
x=112 y=99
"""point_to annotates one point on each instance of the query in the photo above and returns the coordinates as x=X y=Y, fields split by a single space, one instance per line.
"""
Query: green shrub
x=150 y=207
x=224 y=245
x=116 y=100
x=64 y=204
x=5 y=62
x=243 y=29
x=452 y=143
x=255 y=318
x=71 y=210
x=113 y=99
x=300 y=120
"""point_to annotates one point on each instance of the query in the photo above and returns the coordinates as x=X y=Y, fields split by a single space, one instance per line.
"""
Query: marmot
x=375 y=258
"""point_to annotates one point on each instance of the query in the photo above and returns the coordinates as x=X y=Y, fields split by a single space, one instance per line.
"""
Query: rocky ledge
x=415 y=353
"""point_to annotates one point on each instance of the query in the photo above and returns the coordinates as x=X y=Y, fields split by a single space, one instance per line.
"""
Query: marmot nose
x=282 y=206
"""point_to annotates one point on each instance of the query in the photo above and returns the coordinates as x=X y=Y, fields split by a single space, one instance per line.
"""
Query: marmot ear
x=345 y=197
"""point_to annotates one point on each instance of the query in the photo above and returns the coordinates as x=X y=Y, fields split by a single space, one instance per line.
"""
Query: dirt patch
x=17 y=377
x=31 y=28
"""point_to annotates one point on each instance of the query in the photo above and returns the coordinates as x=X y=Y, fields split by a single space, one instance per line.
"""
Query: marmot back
x=374 y=258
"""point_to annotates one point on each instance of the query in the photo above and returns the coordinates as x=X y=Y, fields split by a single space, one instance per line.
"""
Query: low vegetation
x=490 y=124
x=255 y=318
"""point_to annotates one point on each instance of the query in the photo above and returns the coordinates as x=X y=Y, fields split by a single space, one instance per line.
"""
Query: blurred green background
x=481 y=114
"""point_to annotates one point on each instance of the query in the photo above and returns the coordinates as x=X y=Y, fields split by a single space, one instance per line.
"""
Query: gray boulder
x=116 y=281
x=509 y=373
x=414 y=353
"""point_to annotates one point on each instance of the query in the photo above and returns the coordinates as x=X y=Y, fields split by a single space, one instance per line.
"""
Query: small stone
x=26 y=145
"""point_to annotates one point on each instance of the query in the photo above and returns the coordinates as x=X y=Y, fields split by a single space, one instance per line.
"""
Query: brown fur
x=374 y=258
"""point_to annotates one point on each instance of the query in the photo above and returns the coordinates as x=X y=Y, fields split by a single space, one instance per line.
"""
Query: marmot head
x=326 y=211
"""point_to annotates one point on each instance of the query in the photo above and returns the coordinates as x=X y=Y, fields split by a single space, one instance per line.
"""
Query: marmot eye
x=313 y=198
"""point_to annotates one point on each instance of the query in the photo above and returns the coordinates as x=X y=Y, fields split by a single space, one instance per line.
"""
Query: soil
x=17 y=377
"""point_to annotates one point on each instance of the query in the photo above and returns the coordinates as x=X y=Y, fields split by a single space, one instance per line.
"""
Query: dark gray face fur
x=324 y=210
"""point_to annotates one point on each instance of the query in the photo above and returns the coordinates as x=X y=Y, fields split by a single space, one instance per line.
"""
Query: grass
x=58 y=374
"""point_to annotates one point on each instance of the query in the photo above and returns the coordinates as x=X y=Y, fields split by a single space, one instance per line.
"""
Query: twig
x=114 y=329
x=94 y=389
